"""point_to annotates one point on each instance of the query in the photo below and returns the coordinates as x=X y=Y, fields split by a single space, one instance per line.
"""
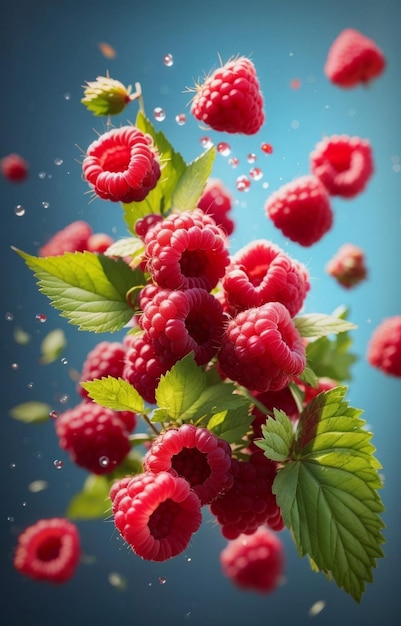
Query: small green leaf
x=126 y=247
x=52 y=346
x=192 y=182
x=331 y=357
x=308 y=376
x=21 y=337
x=31 y=412
x=115 y=393
x=214 y=399
x=93 y=501
x=278 y=436
x=180 y=387
x=231 y=425
x=320 y=325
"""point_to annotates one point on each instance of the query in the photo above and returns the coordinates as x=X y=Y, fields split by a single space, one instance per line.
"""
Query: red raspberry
x=261 y=348
x=384 y=348
x=353 y=59
x=301 y=210
x=230 y=99
x=145 y=223
x=217 y=201
x=343 y=164
x=99 y=242
x=324 y=384
x=186 y=250
x=14 y=168
x=254 y=562
x=178 y=322
x=348 y=266
x=197 y=455
x=250 y=501
x=121 y=165
x=94 y=437
x=262 y=272
x=156 y=514
x=73 y=238
x=49 y=550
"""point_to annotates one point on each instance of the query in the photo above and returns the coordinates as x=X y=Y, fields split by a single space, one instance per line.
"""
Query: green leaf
x=93 y=501
x=114 y=393
x=320 y=325
x=231 y=425
x=21 y=337
x=180 y=387
x=214 y=399
x=308 y=376
x=331 y=357
x=327 y=492
x=278 y=436
x=126 y=247
x=192 y=183
x=52 y=346
x=31 y=412
x=89 y=289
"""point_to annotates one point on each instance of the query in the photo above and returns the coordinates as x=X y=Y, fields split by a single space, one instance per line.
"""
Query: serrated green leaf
x=31 y=412
x=93 y=501
x=52 y=346
x=320 y=325
x=192 y=182
x=88 y=289
x=180 y=387
x=213 y=399
x=126 y=247
x=331 y=358
x=231 y=425
x=160 y=416
x=114 y=393
x=278 y=436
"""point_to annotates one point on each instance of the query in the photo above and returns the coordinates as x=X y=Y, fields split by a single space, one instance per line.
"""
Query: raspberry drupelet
x=384 y=347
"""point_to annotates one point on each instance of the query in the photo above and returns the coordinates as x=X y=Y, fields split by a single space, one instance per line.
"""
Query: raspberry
x=384 y=348
x=73 y=238
x=14 y=168
x=49 y=550
x=94 y=437
x=301 y=210
x=186 y=250
x=217 y=202
x=353 y=59
x=121 y=165
x=261 y=348
x=99 y=242
x=348 y=266
x=254 y=562
x=230 y=99
x=343 y=164
x=145 y=223
x=156 y=514
x=324 y=384
x=250 y=502
x=262 y=272
x=179 y=322
x=197 y=455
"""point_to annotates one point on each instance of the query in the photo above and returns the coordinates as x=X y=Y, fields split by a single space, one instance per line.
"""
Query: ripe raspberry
x=230 y=99
x=94 y=437
x=353 y=59
x=384 y=348
x=217 y=201
x=121 y=165
x=348 y=266
x=324 y=384
x=73 y=238
x=197 y=455
x=250 y=501
x=145 y=223
x=49 y=550
x=186 y=250
x=262 y=272
x=301 y=210
x=343 y=164
x=156 y=514
x=254 y=562
x=178 y=322
x=99 y=242
x=261 y=348
x=14 y=168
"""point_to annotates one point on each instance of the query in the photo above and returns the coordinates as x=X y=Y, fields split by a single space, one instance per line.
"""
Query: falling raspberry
x=348 y=266
x=384 y=348
x=72 y=238
x=217 y=201
x=14 y=168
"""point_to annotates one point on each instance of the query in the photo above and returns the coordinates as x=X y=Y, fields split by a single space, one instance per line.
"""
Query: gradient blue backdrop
x=48 y=50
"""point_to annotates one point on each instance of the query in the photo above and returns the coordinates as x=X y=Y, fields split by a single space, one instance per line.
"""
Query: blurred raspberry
x=49 y=550
x=348 y=266
x=73 y=238
x=99 y=242
x=384 y=348
x=324 y=384
x=14 y=168
x=217 y=201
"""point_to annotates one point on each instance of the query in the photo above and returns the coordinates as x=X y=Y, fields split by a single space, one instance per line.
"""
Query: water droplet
x=64 y=361
x=58 y=161
x=233 y=161
x=40 y=317
x=267 y=148
x=223 y=148
x=14 y=366
x=187 y=616
x=243 y=183
x=10 y=518
x=159 y=114
x=256 y=173
x=104 y=461
x=206 y=142
x=45 y=205
x=30 y=385
x=168 y=59
x=181 y=118
x=162 y=580
x=53 y=415
x=42 y=175
x=67 y=96
x=251 y=158
x=19 y=210
x=58 y=464
x=189 y=559
x=9 y=317
x=13 y=465
x=25 y=504
x=63 y=399
x=265 y=185
x=295 y=124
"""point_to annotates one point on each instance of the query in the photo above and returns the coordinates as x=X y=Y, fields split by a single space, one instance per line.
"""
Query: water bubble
x=267 y=148
x=53 y=415
x=233 y=161
x=58 y=161
x=162 y=580
x=223 y=148
x=14 y=366
x=63 y=399
x=13 y=465
x=9 y=317
x=206 y=142
x=30 y=385
x=243 y=183
x=181 y=118
x=265 y=185
x=64 y=361
x=295 y=124
x=67 y=96
x=104 y=461
x=168 y=59
x=187 y=616
x=19 y=210
x=40 y=317
x=251 y=158
x=25 y=504
x=45 y=205
x=256 y=173
x=58 y=464
x=159 y=114
x=42 y=175
x=10 y=518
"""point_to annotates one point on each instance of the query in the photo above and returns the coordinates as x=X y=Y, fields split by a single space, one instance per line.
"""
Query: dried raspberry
x=14 y=168
x=353 y=59
x=250 y=502
x=72 y=238
x=230 y=99
x=262 y=272
x=179 y=322
x=261 y=348
x=384 y=348
x=343 y=164
x=197 y=455
x=186 y=250
x=217 y=201
x=254 y=562
x=348 y=266
x=156 y=514
x=301 y=210
x=121 y=165
x=99 y=242
x=49 y=550
x=94 y=437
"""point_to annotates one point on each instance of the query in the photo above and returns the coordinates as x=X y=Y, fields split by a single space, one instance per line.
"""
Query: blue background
x=48 y=50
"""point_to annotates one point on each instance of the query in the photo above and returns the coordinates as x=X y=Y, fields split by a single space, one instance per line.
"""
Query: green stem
x=150 y=424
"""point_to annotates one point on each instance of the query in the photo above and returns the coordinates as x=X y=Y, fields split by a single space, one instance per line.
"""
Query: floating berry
x=353 y=59
x=156 y=514
x=106 y=96
x=217 y=201
x=254 y=562
x=49 y=550
x=121 y=165
x=384 y=348
x=343 y=164
x=230 y=99
x=72 y=238
x=14 y=168
x=348 y=266
x=99 y=242
x=301 y=210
